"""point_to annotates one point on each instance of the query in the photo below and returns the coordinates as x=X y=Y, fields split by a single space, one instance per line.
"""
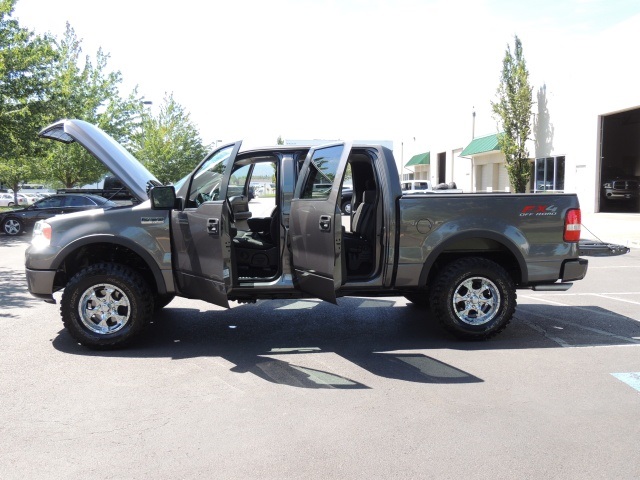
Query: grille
x=625 y=185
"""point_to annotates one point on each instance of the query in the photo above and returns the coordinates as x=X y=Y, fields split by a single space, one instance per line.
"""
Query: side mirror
x=163 y=197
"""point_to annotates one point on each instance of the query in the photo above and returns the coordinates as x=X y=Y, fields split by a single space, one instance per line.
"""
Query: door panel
x=203 y=251
x=316 y=222
x=202 y=232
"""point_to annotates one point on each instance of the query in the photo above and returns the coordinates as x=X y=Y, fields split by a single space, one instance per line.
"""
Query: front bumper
x=40 y=284
x=621 y=194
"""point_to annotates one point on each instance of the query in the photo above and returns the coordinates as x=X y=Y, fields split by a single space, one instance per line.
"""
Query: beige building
x=585 y=135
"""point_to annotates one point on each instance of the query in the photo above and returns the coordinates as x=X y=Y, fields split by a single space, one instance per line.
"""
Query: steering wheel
x=201 y=198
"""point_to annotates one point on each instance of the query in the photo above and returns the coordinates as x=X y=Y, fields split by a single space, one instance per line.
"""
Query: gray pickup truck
x=463 y=255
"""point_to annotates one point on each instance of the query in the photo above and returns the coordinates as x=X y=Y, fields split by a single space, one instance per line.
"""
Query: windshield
x=205 y=183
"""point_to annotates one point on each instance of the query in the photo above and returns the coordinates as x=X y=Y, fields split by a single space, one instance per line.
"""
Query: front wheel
x=474 y=298
x=106 y=305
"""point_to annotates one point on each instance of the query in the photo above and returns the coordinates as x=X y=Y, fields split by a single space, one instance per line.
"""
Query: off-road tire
x=473 y=298
x=106 y=305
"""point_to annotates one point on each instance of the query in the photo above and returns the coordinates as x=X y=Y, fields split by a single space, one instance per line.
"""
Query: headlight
x=608 y=185
x=41 y=234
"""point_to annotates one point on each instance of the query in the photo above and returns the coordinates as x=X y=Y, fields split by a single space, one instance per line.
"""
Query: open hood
x=114 y=156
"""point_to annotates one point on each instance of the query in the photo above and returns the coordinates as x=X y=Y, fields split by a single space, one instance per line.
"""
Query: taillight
x=572 y=224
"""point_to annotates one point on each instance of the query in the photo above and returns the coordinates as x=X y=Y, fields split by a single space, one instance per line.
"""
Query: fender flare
x=501 y=239
x=114 y=240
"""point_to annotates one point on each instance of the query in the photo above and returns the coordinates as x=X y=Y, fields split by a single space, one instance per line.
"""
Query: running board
x=552 y=287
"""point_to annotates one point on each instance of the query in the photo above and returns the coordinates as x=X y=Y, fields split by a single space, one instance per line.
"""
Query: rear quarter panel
x=530 y=226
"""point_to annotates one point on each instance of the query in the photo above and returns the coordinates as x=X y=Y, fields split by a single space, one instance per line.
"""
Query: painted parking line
x=610 y=296
x=632 y=379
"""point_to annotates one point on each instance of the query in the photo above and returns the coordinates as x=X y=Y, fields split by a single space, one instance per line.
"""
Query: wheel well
x=98 y=253
x=478 y=247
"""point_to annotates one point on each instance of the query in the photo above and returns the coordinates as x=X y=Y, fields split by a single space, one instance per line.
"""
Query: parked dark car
x=16 y=222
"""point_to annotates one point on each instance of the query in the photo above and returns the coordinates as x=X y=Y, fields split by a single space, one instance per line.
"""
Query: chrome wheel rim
x=476 y=301
x=12 y=227
x=104 y=309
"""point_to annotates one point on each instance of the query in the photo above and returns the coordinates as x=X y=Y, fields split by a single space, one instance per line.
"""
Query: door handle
x=213 y=226
x=325 y=223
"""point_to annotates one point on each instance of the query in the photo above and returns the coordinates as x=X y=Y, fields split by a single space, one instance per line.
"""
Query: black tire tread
x=449 y=275
x=122 y=273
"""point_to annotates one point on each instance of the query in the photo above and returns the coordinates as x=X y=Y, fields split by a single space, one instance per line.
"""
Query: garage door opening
x=618 y=188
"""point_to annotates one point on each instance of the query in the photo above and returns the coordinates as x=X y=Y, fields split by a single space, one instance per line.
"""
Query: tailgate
x=592 y=248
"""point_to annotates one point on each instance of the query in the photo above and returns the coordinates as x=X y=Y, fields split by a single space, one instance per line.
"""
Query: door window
x=205 y=183
x=51 y=202
x=322 y=171
x=78 y=202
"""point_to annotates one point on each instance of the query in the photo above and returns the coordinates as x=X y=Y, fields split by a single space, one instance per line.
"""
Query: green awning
x=481 y=145
x=420 y=159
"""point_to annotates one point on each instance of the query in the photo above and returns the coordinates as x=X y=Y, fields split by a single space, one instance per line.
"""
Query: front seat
x=257 y=250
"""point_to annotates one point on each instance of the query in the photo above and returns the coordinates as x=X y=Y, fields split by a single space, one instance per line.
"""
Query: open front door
x=315 y=222
x=203 y=230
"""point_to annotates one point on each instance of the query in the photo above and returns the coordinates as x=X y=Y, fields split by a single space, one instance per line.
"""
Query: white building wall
x=600 y=79
x=461 y=172
x=421 y=172
x=487 y=172
x=503 y=178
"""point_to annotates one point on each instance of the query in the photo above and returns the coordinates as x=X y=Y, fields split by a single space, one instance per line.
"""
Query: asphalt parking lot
x=304 y=389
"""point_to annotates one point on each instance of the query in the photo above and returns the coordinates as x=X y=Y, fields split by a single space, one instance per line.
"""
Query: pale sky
x=308 y=69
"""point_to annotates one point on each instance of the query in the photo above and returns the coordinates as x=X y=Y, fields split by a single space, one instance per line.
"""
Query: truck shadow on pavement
x=385 y=340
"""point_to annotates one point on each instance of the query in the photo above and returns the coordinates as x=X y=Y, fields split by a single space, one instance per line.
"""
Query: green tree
x=513 y=111
x=87 y=91
x=25 y=79
x=169 y=144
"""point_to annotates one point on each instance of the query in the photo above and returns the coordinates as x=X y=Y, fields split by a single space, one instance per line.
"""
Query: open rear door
x=315 y=222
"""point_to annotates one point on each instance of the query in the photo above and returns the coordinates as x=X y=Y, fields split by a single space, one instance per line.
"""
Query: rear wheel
x=106 y=305
x=474 y=298
x=12 y=226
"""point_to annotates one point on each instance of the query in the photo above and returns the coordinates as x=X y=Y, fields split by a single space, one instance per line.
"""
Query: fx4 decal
x=539 y=210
